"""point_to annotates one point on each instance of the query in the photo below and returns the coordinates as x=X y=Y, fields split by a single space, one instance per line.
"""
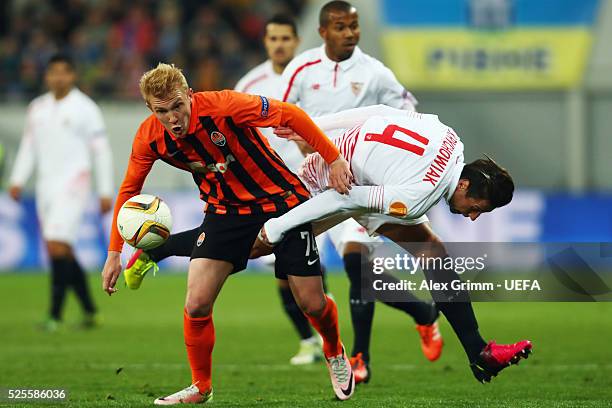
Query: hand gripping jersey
x=403 y=165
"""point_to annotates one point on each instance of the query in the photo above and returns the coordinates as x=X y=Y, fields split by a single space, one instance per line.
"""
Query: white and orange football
x=144 y=221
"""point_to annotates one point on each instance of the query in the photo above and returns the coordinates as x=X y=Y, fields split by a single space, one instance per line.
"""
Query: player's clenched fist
x=340 y=177
x=111 y=271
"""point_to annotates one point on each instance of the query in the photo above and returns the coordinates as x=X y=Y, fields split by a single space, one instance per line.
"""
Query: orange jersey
x=236 y=170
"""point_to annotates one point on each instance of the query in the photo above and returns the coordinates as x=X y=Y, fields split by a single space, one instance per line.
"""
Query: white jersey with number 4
x=403 y=165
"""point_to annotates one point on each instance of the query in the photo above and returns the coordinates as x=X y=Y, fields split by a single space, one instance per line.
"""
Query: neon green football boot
x=139 y=265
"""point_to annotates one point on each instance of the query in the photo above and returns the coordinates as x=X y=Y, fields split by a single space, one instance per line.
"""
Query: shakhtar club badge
x=217 y=138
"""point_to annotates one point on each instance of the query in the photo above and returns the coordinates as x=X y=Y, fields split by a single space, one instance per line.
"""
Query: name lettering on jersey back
x=437 y=167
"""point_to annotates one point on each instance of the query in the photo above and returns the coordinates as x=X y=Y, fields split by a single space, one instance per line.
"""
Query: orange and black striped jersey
x=232 y=164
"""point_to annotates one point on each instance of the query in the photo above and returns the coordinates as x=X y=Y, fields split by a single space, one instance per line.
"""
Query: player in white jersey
x=337 y=75
x=64 y=135
x=333 y=77
x=403 y=164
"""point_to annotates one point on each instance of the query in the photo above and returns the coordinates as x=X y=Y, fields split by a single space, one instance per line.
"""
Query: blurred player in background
x=331 y=78
x=281 y=40
x=64 y=138
x=403 y=164
x=214 y=136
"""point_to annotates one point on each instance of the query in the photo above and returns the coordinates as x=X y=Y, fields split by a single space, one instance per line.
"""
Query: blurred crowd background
x=114 y=41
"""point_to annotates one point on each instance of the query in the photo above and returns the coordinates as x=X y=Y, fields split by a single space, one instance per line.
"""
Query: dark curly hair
x=488 y=181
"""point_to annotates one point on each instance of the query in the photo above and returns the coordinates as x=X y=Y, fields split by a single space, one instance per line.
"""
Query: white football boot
x=341 y=374
x=310 y=351
x=189 y=395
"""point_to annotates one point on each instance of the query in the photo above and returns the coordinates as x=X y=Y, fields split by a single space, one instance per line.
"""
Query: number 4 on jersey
x=388 y=137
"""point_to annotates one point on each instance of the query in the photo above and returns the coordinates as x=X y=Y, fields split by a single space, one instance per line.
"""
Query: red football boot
x=431 y=340
x=495 y=357
x=361 y=370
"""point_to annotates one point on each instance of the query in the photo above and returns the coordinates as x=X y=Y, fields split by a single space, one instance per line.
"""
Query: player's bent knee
x=198 y=307
x=313 y=306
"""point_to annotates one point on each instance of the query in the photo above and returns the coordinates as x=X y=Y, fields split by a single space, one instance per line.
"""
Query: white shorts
x=349 y=231
x=371 y=222
x=60 y=215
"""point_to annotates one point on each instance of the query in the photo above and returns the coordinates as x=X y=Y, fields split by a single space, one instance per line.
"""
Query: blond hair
x=162 y=81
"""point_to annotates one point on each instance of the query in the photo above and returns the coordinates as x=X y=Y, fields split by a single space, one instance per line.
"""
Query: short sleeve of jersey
x=245 y=110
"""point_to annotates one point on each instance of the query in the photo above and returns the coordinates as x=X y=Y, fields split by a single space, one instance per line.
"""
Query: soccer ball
x=144 y=221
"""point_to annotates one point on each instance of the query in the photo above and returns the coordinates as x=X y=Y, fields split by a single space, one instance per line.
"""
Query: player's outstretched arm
x=327 y=204
x=260 y=111
x=111 y=272
x=140 y=164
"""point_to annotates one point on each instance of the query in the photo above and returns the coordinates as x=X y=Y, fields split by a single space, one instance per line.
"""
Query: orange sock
x=199 y=335
x=327 y=326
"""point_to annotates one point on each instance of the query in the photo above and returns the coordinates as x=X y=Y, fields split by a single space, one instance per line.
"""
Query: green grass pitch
x=138 y=353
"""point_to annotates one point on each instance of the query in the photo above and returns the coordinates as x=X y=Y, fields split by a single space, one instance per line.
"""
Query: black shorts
x=231 y=237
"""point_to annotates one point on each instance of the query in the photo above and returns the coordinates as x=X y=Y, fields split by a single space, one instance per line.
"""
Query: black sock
x=461 y=317
x=457 y=307
x=60 y=270
x=362 y=312
x=300 y=322
x=422 y=312
x=81 y=288
x=180 y=244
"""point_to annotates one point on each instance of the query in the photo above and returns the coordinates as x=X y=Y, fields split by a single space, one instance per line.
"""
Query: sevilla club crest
x=356 y=87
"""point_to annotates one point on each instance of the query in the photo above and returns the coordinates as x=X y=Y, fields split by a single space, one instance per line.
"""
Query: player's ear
x=190 y=93
x=464 y=184
x=322 y=32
